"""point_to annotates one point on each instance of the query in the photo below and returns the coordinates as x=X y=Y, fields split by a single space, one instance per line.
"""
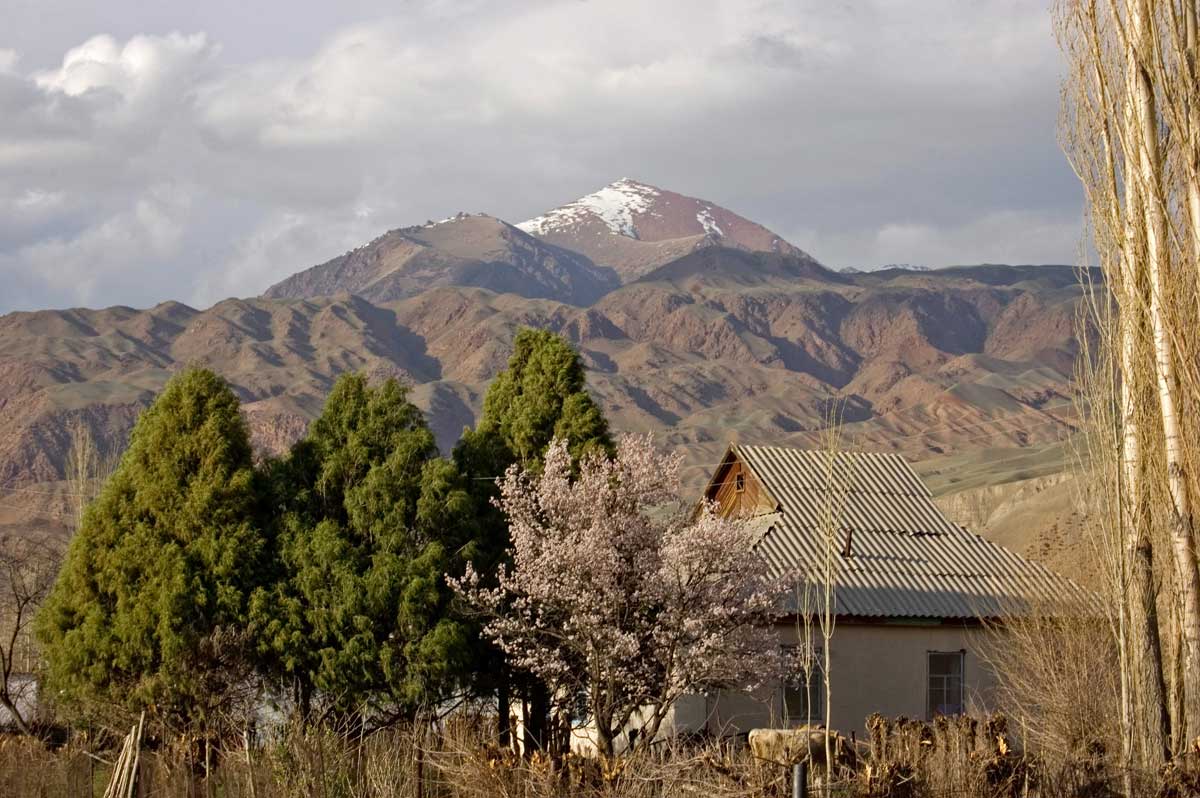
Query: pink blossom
x=623 y=595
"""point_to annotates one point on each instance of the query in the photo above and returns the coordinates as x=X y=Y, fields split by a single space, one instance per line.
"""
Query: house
x=914 y=592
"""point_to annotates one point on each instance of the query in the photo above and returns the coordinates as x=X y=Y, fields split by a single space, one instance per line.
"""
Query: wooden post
x=420 y=768
x=137 y=756
x=800 y=779
x=249 y=762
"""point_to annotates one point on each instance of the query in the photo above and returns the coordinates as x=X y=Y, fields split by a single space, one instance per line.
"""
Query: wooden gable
x=737 y=492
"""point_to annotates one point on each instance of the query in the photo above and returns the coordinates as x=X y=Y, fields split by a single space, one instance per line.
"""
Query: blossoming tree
x=620 y=596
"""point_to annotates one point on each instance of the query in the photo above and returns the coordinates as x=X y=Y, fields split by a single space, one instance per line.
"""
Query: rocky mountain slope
x=737 y=337
x=463 y=250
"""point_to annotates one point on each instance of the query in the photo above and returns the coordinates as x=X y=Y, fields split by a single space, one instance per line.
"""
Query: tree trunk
x=1150 y=690
x=503 y=711
x=1151 y=728
x=604 y=741
x=15 y=714
x=536 y=720
x=1192 y=118
x=1150 y=175
x=1151 y=722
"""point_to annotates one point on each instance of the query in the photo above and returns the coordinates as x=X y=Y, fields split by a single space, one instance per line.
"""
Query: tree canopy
x=150 y=608
x=610 y=598
x=194 y=575
x=542 y=396
x=370 y=521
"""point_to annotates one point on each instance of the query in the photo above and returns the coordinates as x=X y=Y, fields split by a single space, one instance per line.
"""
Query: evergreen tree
x=150 y=608
x=541 y=396
x=371 y=521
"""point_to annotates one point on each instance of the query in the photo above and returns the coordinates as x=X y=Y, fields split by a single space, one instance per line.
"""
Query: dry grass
x=903 y=759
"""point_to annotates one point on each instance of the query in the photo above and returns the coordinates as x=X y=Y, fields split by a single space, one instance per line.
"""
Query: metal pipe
x=800 y=779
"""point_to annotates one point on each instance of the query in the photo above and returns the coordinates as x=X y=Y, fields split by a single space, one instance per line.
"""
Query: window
x=804 y=693
x=945 y=683
x=739 y=483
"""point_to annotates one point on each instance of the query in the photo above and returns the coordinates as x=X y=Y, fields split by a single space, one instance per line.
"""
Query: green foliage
x=171 y=590
x=370 y=522
x=541 y=396
x=150 y=608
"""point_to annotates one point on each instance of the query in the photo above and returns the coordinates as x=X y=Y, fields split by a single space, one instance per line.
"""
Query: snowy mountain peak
x=615 y=206
x=633 y=228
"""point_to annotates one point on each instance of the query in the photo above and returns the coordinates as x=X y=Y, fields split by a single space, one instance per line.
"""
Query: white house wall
x=875 y=668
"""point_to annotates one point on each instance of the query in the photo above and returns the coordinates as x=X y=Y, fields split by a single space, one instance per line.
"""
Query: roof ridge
x=863 y=452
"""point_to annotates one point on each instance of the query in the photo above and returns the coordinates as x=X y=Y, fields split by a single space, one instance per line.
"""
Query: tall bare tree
x=87 y=469
x=836 y=544
x=1132 y=132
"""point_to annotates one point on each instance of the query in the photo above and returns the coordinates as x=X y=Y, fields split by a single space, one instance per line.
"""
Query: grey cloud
x=190 y=165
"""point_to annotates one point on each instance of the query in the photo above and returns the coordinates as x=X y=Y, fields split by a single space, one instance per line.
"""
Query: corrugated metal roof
x=905 y=558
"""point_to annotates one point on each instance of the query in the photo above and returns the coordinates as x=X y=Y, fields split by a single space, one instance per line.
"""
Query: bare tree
x=1131 y=131
x=87 y=469
x=837 y=542
x=27 y=572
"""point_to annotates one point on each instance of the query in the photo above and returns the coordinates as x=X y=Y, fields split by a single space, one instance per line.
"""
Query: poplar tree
x=149 y=611
x=1132 y=133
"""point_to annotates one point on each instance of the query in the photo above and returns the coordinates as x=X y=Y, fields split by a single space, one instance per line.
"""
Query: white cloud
x=154 y=166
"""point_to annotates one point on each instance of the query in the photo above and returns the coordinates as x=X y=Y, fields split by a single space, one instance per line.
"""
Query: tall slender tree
x=1133 y=136
x=150 y=608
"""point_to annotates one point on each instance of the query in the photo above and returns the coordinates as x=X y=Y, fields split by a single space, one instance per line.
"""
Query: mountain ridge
x=468 y=250
x=719 y=342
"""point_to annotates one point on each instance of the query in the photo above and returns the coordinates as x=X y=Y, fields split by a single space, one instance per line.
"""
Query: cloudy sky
x=196 y=151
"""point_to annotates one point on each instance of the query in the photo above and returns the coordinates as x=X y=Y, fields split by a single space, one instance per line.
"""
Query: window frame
x=816 y=689
x=961 y=653
x=739 y=482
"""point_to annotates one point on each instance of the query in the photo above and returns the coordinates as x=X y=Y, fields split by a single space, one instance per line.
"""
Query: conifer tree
x=371 y=521
x=150 y=608
x=542 y=396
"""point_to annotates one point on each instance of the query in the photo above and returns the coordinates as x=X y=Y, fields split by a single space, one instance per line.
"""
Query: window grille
x=945 y=695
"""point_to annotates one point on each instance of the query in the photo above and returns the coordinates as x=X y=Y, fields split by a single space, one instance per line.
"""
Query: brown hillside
x=694 y=322
x=739 y=347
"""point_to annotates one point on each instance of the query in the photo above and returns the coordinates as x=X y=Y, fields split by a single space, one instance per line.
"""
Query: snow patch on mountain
x=906 y=267
x=615 y=205
x=706 y=220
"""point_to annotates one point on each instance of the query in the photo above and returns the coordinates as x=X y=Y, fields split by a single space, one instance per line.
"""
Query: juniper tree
x=150 y=608
x=370 y=521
